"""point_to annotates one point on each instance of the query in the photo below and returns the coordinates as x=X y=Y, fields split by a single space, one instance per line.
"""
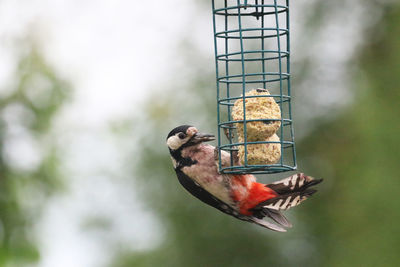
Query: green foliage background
x=27 y=111
x=351 y=222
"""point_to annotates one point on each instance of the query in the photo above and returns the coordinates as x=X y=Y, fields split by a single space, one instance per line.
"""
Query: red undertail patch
x=257 y=194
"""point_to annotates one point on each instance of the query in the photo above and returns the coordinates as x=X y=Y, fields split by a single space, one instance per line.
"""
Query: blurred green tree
x=353 y=220
x=29 y=158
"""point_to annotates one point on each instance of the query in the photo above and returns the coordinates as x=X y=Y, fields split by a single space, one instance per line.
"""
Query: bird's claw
x=235 y=157
x=216 y=157
x=228 y=131
x=216 y=153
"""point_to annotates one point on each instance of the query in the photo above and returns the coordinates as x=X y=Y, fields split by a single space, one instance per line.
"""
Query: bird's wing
x=196 y=190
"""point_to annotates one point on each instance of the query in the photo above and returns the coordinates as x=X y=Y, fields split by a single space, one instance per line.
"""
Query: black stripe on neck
x=181 y=161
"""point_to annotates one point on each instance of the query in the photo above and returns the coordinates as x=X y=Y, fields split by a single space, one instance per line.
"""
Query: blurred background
x=90 y=89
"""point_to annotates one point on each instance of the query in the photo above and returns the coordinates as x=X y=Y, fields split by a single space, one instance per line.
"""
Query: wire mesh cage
x=252 y=54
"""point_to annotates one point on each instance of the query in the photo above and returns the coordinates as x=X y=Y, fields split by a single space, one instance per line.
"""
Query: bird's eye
x=181 y=135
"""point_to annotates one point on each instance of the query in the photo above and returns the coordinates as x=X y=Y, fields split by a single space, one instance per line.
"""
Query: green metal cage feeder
x=252 y=50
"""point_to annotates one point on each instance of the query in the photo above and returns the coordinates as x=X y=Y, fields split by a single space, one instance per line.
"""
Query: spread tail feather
x=294 y=183
x=292 y=191
x=277 y=217
x=267 y=224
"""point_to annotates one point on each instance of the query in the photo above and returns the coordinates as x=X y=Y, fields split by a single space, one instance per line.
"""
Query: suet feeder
x=252 y=55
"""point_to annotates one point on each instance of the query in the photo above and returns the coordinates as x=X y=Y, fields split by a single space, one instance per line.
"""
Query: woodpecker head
x=185 y=136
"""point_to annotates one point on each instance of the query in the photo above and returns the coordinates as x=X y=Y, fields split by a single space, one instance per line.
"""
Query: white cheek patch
x=174 y=142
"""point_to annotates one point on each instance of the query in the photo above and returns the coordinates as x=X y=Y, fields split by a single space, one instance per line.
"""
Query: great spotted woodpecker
x=237 y=195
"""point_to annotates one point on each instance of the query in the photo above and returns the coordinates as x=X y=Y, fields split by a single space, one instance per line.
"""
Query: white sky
x=113 y=52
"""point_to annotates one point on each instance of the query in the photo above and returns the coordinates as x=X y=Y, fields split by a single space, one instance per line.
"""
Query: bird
x=238 y=195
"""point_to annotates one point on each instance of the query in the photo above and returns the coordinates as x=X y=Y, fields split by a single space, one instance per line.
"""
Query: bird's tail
x=291 y=192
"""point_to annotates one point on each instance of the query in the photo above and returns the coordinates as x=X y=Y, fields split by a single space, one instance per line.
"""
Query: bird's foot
x=216 y=157
x=229 y=131
x=235 y=157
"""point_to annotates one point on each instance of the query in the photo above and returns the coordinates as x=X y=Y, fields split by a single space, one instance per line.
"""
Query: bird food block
x=257 y=108
x=260 y=154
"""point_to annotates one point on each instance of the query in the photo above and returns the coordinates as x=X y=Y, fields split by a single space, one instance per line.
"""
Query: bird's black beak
x=200 y=137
